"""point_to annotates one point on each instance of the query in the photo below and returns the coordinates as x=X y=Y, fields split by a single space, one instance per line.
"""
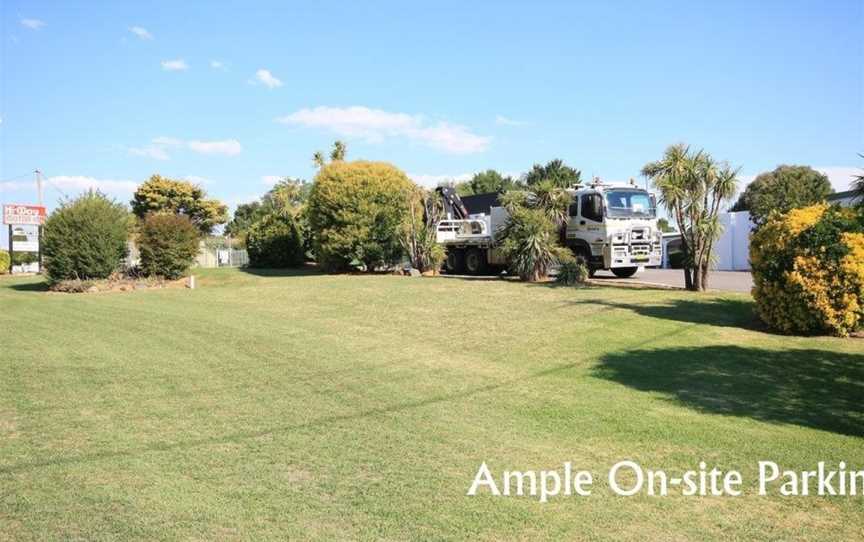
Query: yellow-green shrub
x=808 y=270
x=5 y=262
x=357 y=211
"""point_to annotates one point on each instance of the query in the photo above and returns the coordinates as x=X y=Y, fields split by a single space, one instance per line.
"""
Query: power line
x=52 y=183
x=10 y=179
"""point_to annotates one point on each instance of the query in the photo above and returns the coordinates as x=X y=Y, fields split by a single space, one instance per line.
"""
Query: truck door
x=590 y=213
x=588 y=225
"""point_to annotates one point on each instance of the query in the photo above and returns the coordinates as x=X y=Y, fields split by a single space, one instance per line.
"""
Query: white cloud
x=81 y=183
x=175 y=65
x=506 y=121
x=375 y=125
x=229 y=147
x=267 y=78
x=71 y=185
x=167 y=141
x=159 y=147
x=141 y=32
x=271 y=180
x=152 y=151
x=32 y=24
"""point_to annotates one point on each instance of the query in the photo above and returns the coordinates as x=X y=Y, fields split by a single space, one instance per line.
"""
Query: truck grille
x=640 y=249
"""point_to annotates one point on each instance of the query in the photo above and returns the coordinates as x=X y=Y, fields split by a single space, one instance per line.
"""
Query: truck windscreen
x=629 y=203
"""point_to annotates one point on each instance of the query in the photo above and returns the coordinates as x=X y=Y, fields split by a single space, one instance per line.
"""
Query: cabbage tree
x=693 y=187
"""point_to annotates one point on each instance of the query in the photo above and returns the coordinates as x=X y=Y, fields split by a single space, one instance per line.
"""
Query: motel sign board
x=32 y=215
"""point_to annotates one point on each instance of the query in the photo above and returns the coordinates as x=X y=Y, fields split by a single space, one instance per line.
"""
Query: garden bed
x=118 y=283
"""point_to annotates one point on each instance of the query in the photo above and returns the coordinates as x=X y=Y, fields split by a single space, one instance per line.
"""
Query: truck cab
x=614 y=228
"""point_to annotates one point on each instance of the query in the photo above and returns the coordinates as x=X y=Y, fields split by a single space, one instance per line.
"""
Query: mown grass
x=301 y=406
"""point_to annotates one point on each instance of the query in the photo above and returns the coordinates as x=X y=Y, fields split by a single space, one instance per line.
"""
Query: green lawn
x=360 y=407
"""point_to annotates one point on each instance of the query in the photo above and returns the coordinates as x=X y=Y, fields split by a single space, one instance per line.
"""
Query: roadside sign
x=25 y=246
x=33 y=215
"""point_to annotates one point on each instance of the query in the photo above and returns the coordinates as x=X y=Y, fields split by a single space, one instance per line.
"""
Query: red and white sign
x=33 y=215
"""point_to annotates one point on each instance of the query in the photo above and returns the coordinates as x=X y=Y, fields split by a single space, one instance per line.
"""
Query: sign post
x=25 y=215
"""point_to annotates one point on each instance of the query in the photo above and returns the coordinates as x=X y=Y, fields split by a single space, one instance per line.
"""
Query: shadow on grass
x=727 y=312
x=472 y=277
x=305 y=271
x=812 y=388
x=38 y=286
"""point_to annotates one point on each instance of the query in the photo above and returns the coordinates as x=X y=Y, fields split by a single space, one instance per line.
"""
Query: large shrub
x=162 y=195
x=85 y=238
x=275 y=241
x=781 y=190
x=5 y=262
x=168 y=244
x=357 y=212
x=808 y=270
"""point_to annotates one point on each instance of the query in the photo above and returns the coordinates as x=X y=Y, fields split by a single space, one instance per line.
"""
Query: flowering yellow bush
x=808 y=270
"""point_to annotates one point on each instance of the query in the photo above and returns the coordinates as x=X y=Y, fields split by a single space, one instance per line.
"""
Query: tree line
x=368 y=215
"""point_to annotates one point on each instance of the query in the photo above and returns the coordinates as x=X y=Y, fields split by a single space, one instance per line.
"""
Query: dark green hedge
x=85 y=238
x=275 y=241
x=168 y=244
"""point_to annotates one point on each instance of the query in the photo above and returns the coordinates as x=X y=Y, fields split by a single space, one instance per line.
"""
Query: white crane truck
x=609 y=227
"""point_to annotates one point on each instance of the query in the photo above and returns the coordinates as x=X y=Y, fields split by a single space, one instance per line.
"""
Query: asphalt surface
x=727 y=281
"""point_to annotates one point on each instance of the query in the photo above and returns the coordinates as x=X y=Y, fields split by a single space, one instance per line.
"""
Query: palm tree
x=671 y=175
x=337 y=154
x=530 y=240
x=340 y=149
x=693 y=187
x=319 y=160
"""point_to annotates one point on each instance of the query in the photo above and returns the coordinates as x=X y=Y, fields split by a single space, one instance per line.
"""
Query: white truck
x=610 y=227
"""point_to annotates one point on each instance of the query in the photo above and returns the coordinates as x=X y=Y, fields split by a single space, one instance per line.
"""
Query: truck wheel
x=475 y=261
x=624 y=272
x=455 y=263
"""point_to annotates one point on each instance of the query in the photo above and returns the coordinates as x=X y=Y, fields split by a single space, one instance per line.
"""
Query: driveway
x=728 y=281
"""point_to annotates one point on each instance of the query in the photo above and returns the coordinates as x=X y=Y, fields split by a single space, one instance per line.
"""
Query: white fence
x=221 y=257
x=732 y=250
x=733 y=247
x=210 y=254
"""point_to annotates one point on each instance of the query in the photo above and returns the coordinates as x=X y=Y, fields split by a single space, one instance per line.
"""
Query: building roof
x=841 y=195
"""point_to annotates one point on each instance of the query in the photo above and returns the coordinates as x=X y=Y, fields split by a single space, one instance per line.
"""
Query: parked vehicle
x=611 y=227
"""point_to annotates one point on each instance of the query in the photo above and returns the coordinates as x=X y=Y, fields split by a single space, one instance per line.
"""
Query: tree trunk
x=688 y=272
x=688 y=277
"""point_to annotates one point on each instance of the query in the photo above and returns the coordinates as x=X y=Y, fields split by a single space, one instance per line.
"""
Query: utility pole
x=39 y=227
x=39 y=186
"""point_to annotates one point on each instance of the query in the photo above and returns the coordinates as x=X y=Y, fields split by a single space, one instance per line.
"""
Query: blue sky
x=235 y=94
